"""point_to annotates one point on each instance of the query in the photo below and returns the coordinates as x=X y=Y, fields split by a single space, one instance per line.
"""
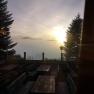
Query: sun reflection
x=59 y=34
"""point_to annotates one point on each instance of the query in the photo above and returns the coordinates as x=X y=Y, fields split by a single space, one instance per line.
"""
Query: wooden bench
x=26 y=88
x=44 y=85
x=32 y=75
x=44 y=69
x=16 y=84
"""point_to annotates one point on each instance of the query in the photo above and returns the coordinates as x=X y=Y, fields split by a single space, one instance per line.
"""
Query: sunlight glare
x=59 y=34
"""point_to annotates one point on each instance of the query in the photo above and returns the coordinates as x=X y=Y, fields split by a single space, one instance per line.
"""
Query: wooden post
x=43 y=56
x=86 y=65
x=61 y=56
x=24 y=55
x=61 y=48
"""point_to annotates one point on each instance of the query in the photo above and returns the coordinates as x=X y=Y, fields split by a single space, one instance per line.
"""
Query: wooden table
x=44 y=85
x=44 y=68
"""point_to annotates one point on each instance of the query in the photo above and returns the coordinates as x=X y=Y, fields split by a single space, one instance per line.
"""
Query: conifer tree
x=73 y=38
x=6 y=43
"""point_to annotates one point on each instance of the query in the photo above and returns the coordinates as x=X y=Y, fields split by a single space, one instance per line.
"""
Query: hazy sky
x=34 y=21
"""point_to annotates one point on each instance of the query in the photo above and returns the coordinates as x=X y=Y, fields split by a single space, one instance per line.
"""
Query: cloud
x=35 y=38
x=30 y=38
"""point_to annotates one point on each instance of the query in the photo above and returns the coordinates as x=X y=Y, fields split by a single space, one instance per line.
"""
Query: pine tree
x=72 y=50
x=73 y=38
x=6 y=44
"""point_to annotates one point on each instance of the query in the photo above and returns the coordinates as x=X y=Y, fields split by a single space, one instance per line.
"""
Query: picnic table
x=44 y=85
x=44 y=69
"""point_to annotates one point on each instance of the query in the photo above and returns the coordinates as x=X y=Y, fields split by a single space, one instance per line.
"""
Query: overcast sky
x=34 y=21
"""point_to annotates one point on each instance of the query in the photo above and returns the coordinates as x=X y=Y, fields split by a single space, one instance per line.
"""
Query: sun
x=59 y=34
